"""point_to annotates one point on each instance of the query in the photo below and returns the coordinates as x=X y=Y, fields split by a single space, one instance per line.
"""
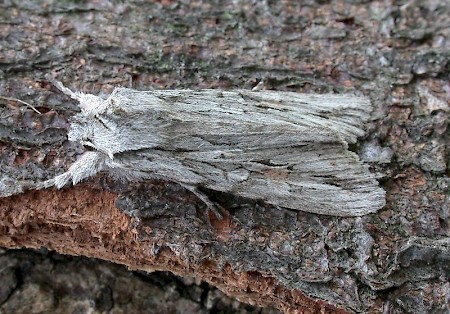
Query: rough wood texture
x=395 y=260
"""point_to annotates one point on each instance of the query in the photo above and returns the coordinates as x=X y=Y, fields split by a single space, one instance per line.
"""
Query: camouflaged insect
x=287 y=149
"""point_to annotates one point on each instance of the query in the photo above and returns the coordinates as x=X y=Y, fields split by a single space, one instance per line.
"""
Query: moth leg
x=216 y=209
x=87 y=102
x=89 y=164
x=59 y=85
x=58 y=181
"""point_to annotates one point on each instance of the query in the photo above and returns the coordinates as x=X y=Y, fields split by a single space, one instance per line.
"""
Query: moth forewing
x=285 y=148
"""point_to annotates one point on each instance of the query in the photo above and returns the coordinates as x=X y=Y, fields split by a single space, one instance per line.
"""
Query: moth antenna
x=59 y=85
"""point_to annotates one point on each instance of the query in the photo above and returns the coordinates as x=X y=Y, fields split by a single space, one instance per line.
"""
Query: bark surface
x=395 y=260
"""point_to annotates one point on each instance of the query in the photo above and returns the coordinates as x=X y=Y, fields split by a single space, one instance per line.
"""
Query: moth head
x=91 y=132
x=81 y=130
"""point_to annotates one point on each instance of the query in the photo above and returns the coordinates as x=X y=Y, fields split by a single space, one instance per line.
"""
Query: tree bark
x=395 y=260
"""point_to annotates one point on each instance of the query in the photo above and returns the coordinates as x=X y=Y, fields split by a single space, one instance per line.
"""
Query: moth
x=285 y=148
